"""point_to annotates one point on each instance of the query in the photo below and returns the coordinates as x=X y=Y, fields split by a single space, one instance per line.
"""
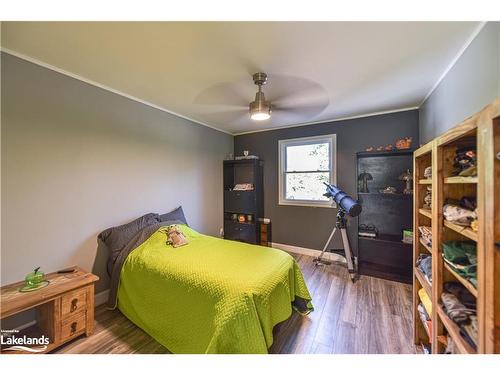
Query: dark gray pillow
x=116 y=238
x=174 y=215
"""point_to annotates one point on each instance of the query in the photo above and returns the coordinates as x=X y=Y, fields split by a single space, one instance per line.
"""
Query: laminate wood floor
x=369 y=316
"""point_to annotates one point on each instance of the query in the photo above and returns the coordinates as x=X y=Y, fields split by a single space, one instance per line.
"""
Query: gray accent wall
x=472 y=83
x=77 y=159
x=307 y=226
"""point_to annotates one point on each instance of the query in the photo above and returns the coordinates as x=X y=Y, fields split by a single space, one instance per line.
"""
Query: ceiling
x=317 y=71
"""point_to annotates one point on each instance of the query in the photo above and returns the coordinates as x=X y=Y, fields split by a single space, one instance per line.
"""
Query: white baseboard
x=101 y=298
x=310 y=252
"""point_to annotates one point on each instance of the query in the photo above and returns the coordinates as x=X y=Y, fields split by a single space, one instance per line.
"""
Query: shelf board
x=386 y=238
x=368 y=154
x=426 y=247
x=454 y=331
x=397 y=195
x=423 y=281
x=425 y=212
x=425 y=181
x=460 y=180
x=239 y=222
x=464 y=231
x=470 y=287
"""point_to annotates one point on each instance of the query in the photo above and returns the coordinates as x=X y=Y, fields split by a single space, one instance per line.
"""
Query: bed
x=209 y=296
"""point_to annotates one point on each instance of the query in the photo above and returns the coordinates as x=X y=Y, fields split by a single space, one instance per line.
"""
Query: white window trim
x=332 y=140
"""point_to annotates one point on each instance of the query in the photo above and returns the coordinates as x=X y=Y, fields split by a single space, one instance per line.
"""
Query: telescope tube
x=345 y=201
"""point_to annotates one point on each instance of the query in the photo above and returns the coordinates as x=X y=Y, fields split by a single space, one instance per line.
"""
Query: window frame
x=331 y=139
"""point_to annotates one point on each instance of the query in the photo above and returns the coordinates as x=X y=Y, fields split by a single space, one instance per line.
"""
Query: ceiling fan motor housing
x=260 y=108
x=260 y=78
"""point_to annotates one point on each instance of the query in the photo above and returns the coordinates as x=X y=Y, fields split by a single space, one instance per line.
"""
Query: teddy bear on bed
x=175 y=237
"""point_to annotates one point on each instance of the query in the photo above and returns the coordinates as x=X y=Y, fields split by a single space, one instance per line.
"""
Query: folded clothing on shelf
x=465 y=162
x=461 y=256
x=426 y=301
x=424 y=264
x=426 y=234
x=461 y=212
x=425 y=318
x=461 y=292
x=469 y=331
x=460 y=305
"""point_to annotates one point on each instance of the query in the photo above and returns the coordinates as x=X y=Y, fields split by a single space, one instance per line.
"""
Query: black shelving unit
x=385 y=256
x=248 y=203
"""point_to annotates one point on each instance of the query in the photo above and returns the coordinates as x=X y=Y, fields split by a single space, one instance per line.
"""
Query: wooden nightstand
x=65 y=308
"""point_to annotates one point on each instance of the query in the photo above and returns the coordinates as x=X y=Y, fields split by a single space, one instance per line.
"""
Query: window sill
x=307 y=204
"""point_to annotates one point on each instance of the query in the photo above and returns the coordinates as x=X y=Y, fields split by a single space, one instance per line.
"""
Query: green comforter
x=212 y=295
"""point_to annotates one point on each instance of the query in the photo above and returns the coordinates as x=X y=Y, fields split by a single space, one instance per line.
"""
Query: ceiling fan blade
x=286 y=90
x=222 y=94
x=300 y=111
x=219 y=117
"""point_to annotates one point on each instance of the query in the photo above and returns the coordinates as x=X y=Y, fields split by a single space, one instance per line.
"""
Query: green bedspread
x=210 y=296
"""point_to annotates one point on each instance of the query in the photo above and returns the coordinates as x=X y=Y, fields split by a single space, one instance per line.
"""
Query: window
x=304 y=164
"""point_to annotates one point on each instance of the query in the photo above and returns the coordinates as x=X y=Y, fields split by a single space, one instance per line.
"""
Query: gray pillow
x=116 y=238
x=174 y=215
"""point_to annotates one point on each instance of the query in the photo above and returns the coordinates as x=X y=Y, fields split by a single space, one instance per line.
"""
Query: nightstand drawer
x=73 y=326
x=73 y=302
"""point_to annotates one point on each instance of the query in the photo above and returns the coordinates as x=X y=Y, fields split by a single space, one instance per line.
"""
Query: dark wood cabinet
x=247 y=205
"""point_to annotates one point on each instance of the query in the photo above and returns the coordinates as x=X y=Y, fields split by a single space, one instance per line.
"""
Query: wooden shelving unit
x=425 y=212
x=483 y=131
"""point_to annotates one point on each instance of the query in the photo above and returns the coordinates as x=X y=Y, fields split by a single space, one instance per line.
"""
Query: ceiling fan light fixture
x=260 y=108
x=260 y=116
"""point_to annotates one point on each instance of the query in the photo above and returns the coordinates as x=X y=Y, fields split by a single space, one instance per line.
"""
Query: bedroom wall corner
x=471 y=84
x=77 y=159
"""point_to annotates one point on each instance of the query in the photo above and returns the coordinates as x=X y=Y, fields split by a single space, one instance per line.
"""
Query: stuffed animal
x=175 y=237
x=388 y=148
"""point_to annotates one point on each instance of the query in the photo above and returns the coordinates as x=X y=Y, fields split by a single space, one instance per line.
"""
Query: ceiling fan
x=260 y=108
x=291 y=99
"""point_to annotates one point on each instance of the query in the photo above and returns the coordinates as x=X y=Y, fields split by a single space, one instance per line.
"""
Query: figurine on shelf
x=408 y=178
x=428 y=199
x=388 y=190
x=404 y=144
x=363 y=179
x=371 y=148
x=380 y=148
x=388 y=148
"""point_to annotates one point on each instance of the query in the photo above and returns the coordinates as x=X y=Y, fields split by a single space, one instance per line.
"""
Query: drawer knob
x=73 y=328
x=74 y=304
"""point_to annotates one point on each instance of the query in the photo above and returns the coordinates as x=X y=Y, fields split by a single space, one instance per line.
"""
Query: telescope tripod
x=352 y=261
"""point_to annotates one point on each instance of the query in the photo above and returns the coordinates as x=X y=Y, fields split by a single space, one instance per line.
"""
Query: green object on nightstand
x=34 y=280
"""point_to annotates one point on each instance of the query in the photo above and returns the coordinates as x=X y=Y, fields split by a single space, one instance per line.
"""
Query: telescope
x=345 y=202
x=347 y=207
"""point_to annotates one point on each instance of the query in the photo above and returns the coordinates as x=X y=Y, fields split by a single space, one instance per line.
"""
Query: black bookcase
x=250 y=203
x=385 y=256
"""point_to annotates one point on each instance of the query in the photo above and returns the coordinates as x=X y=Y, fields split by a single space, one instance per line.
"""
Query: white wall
x=77 y=159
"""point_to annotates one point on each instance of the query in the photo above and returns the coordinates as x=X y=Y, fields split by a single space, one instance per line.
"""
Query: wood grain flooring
x=370 y=316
